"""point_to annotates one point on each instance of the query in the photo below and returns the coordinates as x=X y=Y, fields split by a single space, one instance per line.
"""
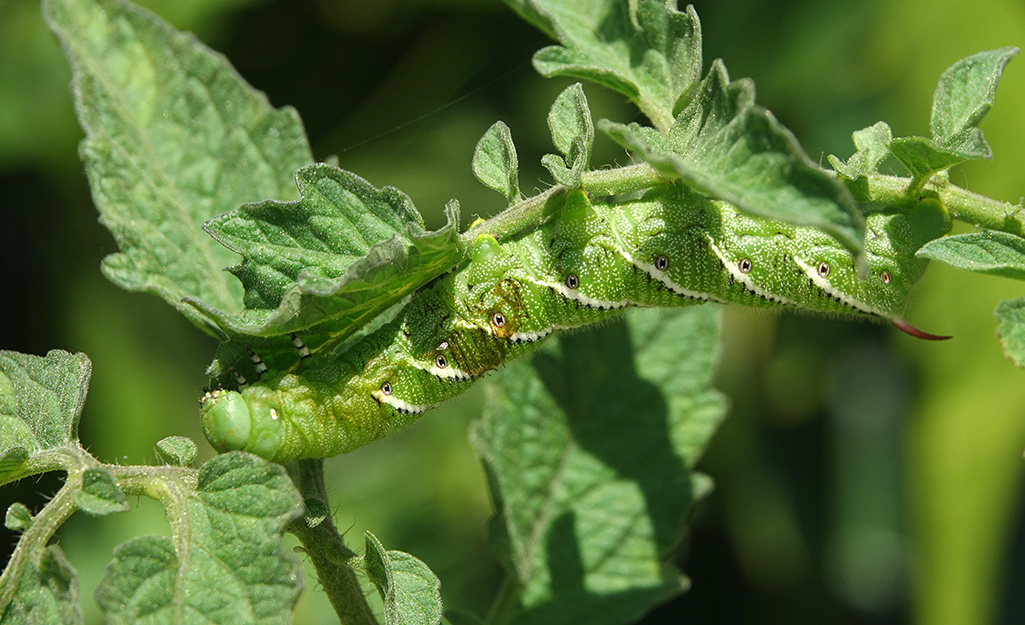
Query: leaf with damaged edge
x=873 y=145
x=569 y=121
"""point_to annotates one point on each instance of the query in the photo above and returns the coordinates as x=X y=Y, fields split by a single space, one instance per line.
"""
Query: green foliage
x=727 y=147
x=407 y=586
x=495 y=162
x=1011 y=315
x=992 y=252
x=234 y=567
x=231 y=514
x=644 y=49
x=18 y=517
x=42 y=400
x=963 y=96
x=342 y=254
x=47 y=593
x=177 y=450
x=590 y=505
x=599 y=425
x=572 y=133
x=173 y=137
x=100 y=494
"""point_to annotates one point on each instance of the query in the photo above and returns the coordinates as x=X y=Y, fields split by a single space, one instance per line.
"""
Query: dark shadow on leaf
x=623 y=421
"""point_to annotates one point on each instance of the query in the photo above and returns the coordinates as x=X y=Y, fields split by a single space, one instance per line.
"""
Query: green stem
x=75 y=461
x=622 y=179
x=962 y=204
x=327 y=550
x=36 y=537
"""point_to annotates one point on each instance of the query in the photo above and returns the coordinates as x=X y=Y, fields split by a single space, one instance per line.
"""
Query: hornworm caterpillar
x=670 y=248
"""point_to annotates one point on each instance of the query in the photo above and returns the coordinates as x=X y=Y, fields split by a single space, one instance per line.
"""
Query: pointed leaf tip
x=495 y=163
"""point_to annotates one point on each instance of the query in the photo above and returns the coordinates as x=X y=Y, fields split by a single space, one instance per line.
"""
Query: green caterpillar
x=586 y=264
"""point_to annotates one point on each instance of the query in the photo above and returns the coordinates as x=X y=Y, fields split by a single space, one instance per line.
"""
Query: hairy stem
x=327 y=550
x=962 y=204
x=45 y=524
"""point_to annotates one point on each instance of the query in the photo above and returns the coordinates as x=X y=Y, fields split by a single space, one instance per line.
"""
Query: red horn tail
x=915 y=332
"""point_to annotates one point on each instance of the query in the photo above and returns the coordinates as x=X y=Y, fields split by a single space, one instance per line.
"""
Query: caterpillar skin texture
x=583 y=266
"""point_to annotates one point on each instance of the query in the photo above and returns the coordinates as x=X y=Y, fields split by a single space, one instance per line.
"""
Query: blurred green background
x=862 y=477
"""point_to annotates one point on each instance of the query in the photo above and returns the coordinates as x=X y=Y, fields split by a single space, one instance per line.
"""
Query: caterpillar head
x=232 y=422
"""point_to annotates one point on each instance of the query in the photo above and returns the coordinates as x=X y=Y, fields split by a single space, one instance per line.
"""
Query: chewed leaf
x=644 y=49
x=495 y=162
x=728 y=148
x=174 y=136
x=991 y=252
x=41 y=400
x=231 y=560
x=341 y=255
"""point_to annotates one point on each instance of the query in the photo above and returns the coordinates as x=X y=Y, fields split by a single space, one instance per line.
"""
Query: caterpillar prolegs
x=587 y=263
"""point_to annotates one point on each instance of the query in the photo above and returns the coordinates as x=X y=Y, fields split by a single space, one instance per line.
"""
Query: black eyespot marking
x=386 y=388
x=441 y=362
x=824 y=269
x=885 y=277
x=572 y=281
x=661 y=262
x=498 y=320
x=745 y=265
